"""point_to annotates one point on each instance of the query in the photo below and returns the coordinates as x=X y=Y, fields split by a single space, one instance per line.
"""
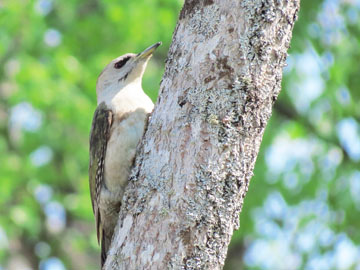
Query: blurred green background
x=302 y=209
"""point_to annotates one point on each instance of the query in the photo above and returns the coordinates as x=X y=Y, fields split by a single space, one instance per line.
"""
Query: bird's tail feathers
x=105 y=245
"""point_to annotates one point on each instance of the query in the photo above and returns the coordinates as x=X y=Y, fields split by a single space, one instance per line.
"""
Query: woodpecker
x=117 y=127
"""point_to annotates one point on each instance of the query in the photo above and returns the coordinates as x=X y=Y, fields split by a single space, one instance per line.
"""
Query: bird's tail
x=105 y=245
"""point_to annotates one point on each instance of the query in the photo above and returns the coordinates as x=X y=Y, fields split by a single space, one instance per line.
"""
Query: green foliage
x=51 y=53
x=302 y=207
x=306 y=177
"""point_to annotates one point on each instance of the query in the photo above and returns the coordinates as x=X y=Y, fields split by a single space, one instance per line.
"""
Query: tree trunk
x=194 y=165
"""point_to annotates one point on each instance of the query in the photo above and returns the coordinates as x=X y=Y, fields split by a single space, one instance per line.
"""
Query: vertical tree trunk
x=193 y=168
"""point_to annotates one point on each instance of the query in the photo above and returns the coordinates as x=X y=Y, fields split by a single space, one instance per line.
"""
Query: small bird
x=117 y=127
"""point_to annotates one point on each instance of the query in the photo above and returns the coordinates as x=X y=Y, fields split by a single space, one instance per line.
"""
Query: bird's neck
x=112 y=93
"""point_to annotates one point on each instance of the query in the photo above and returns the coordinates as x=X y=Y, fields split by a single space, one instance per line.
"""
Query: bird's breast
x=126 y=132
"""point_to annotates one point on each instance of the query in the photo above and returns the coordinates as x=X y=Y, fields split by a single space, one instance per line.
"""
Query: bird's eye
x=121 y=63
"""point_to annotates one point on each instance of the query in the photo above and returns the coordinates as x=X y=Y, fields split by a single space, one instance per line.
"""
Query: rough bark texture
x=193 y=169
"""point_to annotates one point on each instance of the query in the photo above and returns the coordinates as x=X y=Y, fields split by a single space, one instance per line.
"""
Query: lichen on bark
x=193 y=168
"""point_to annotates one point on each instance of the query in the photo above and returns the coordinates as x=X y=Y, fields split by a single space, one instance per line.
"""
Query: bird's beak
x=148 y=52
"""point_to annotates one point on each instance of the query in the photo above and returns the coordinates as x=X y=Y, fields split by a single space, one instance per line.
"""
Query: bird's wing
x=99 y=136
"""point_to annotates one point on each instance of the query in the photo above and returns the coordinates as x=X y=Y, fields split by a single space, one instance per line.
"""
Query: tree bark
x=193 y=168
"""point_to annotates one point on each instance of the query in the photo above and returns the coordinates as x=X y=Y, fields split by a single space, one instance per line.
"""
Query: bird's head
x=123 y=70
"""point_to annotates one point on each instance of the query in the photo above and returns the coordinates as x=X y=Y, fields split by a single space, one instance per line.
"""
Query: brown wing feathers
x=99 y=137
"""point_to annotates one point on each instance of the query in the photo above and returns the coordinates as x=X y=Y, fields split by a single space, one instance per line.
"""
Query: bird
x=117 y=127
